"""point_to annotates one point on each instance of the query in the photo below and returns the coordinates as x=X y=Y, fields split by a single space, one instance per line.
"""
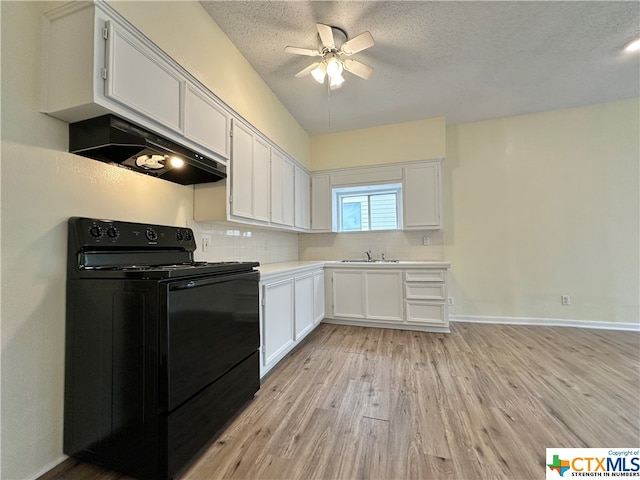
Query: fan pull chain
x=329 y=101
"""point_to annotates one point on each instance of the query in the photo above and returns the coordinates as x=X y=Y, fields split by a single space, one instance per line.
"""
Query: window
x=365 y=208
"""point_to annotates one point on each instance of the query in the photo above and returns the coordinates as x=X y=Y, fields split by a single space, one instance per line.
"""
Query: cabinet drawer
x=425 y=312
x=430 y=275
x=424 y=291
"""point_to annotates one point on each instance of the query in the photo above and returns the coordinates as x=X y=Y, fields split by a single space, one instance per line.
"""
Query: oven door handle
x=213 y=280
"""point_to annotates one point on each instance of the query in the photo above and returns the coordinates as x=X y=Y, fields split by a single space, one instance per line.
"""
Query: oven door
x=213 y=325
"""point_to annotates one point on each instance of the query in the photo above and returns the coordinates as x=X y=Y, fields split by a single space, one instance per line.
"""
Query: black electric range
x=161 y=350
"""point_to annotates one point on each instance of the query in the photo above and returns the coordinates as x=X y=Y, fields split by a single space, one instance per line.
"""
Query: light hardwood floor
x=482 y=402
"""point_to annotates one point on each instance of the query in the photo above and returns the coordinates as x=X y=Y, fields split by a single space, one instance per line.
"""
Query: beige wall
x=197 y=43
x=402 y=142
x=542 y=205
x=42 y=185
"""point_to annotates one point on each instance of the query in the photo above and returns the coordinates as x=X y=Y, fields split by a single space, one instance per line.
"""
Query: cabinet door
x=303 y=306
x=288 y=198
x=302 y=199
x=241 y=171
x=383 y=296
x=277 y=177
x=421 y=192
x=348 y=294
x=320 y=203
x=140 y=80
x=206 y=122
x=278 y=315
x=281 y=189
x=318 y=297
x=261 y=179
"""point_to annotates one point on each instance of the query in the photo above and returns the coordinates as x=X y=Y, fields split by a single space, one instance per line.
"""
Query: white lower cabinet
x=383 y=296
x=303 y=305
x=292 y=306
x=392 y=296
x=318 y=296
x=368 y=294
x=277 y=323
x=348 y=293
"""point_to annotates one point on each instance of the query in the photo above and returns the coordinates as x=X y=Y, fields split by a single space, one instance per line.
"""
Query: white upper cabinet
x=288 y=196
x=241 y=193
x=302 y=196
x=250 y=176
x=421 y=191
x=265 y=187
x=140 y=80
x=95 y=62
x=277 y=180
x=205 y=121
x=282 y=178
x=320 y=202
x=261 y=179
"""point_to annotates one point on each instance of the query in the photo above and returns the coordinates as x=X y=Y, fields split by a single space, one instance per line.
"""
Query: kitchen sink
x=372 y=261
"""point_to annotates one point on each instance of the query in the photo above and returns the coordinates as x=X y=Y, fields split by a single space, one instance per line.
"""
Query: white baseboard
x=48 y=467
x=547 y=322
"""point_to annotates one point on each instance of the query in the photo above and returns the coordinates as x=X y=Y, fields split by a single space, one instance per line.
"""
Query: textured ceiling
x=465 y=61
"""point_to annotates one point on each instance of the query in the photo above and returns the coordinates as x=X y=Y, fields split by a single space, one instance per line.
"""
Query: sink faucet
x=368 y=253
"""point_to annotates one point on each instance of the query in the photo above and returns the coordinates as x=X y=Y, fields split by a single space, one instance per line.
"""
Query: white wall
x=542 y=205
x=396 y=143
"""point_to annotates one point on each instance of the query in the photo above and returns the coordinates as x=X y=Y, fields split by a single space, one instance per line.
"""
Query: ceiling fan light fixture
x=336 y=81
x=334 y=67
x=633 y=46
x=319 y=72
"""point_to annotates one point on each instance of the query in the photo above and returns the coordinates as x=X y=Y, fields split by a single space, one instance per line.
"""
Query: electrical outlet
x=206 y=241
x=426 y=241
x=565 y=299
x=450 y=301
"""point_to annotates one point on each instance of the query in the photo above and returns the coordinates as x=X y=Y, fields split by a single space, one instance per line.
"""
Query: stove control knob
x=95 y=231
x=188 y=237
x=112 y=233
x=151 y=234
x=179 y=235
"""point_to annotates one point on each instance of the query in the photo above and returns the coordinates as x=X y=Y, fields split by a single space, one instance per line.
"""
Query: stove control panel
x=88 y=232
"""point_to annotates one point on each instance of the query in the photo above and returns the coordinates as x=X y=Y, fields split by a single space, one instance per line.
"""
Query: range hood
x=113 y=140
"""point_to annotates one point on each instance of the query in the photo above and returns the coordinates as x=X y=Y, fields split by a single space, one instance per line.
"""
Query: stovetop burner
x=110 y=249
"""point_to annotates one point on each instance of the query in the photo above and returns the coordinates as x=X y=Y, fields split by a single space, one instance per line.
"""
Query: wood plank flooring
x=482 y=402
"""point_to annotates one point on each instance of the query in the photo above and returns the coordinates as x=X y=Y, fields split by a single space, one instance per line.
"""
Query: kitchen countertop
x=270 y=269
x=388 y=264
x=289 y=267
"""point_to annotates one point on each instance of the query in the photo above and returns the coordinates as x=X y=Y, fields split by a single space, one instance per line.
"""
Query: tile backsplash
x=396 y=245
x=234 y=241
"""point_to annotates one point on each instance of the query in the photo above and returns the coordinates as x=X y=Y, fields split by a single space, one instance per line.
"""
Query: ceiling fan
x=335 y=59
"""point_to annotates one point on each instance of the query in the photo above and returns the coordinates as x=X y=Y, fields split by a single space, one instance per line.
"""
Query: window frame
x=337 y=193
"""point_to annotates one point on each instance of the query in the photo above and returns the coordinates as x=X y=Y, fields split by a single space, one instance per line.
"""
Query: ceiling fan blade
x=326 y=35
x=307 y=71
x=358 y=68
x=302 y=51
x=357 y=44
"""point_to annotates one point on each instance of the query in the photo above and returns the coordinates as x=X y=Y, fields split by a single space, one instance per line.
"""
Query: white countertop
x=400 y=263
x=275 y=268
x=292 y=267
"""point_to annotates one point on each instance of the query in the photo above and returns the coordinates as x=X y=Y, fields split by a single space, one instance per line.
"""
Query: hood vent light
x=113 y=140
